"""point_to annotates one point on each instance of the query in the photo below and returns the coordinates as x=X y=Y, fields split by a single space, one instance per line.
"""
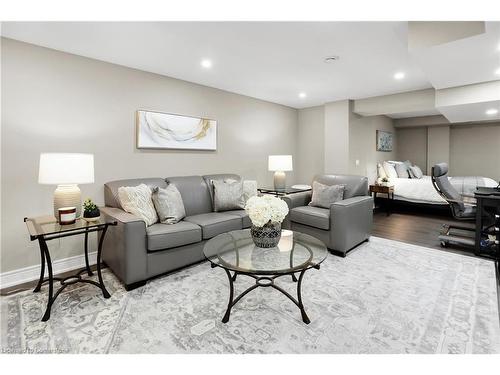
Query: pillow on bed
x=402 y=170
x=380 y=171
x=416 y=172
x=389 y=169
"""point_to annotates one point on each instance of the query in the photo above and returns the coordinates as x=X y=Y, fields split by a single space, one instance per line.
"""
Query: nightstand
x=383 y=189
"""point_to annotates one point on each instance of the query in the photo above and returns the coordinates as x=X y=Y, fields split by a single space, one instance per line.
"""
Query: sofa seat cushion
x=313 y=216
x=246 y=222
x=215 y=223
x=166 y=236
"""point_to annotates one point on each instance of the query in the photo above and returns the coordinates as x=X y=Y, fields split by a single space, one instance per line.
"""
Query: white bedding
x=422 y=191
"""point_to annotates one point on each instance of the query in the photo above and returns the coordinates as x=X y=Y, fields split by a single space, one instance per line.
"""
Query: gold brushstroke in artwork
x=205 y=125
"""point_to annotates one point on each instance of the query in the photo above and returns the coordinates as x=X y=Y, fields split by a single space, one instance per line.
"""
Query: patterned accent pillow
x=416 y=172
x=169 y=205
x=137 y=201
x=402 y=170
x=249 y=189
x=228 y=195
x=324 y=195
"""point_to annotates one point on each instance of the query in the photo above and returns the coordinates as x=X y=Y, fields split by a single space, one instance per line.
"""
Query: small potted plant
x=90 y=210
x=384 y=181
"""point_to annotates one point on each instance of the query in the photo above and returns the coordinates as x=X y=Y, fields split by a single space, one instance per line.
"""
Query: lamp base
x=279 y=180
x=67 y=196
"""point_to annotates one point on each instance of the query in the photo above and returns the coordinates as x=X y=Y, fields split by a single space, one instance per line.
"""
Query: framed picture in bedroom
x=384 y=141
x=166 y=131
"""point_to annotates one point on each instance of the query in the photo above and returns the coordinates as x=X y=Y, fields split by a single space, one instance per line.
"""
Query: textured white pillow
x=380 y=171
x=137 y=201
x=390 y=171
x=249 y=189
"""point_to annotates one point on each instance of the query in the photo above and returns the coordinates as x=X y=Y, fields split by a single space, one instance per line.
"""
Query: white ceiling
x=275 y=61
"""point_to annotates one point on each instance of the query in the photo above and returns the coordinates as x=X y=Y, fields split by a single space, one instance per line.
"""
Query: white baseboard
x=23 y=275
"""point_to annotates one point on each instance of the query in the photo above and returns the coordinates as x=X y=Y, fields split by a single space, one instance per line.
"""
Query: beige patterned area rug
x=384 y=297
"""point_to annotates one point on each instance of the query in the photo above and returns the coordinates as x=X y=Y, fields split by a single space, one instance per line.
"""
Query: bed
x=421 y=190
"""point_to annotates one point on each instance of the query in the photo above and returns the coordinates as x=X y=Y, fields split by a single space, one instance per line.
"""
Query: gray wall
x=412 y=145
x=57 y=102
x=438 y=146
x=472 y=149
x=475 y=150
x=310 y=144
x=363 y=145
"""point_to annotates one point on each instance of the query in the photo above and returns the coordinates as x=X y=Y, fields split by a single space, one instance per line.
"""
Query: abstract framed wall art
x=165 y=131
x=384 y=141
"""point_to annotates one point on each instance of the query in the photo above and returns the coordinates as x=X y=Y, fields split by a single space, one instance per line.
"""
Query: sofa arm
x=124 y=248
x=351 y=222
x=295 y=200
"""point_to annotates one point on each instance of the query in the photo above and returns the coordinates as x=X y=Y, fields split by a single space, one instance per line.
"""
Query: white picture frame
x=168 y=131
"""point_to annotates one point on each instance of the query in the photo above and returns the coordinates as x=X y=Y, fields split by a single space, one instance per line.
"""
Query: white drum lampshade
x=280 y=164
x=66 y=170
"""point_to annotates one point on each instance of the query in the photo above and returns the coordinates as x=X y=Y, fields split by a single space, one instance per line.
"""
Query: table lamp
x=280 y=164
x=66 y=170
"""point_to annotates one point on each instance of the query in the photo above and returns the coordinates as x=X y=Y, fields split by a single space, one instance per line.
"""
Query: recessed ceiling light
x=497 y=72
x=302 y=95
x=206 y=63
x=330 y=59
x=492 y=111
x=399 y=75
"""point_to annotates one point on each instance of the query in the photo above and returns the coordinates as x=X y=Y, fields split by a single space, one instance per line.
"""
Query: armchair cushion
x=166 y=236
x=215 y=223
x=313 y=216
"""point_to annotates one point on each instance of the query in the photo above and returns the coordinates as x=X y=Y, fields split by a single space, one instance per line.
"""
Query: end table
x=383 y=189
x=46 y=228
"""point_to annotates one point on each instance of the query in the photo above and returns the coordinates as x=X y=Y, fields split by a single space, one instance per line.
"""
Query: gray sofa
x=136 y=253
x=345 y=224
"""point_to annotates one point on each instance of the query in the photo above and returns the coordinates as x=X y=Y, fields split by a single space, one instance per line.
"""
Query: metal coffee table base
x=265 y=281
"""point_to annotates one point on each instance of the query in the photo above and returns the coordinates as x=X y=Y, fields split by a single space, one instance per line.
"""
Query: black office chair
x=456 y=233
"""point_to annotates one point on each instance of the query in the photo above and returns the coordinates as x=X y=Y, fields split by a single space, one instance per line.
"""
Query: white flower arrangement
x=265 y=209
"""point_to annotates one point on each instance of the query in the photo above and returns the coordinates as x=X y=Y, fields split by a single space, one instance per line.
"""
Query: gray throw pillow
x=228 y=195
x=416 y=172
x=324 y=195
x=168 y=204
x=402 y=170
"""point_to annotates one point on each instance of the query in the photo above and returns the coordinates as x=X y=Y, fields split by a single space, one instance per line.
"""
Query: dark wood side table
x=46 y=228
x=383 y=189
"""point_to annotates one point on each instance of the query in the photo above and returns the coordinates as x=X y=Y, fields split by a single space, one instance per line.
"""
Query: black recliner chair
x=459 y=234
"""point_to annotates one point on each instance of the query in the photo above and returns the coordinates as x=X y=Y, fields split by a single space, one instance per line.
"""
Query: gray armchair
x=345 y=224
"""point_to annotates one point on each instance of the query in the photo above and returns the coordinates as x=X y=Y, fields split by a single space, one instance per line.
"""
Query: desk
x=487 y=198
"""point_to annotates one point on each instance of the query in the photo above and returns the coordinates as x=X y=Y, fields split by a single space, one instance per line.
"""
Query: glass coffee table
x=235 y=252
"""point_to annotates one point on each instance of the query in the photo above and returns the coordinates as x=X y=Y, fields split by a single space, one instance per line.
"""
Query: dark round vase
x=267 y=236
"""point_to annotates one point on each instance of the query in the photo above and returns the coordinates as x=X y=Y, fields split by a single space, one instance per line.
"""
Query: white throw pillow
x=137 y=201
x=390 y=171
x=380 y=171
x=249 y=189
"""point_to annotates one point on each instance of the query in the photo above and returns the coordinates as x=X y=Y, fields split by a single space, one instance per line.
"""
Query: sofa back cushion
x=195 y=194
x=354 y=185
x=111 y=188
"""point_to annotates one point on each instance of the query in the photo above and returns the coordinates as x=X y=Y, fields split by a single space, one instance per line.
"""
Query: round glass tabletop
x=236 y=251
